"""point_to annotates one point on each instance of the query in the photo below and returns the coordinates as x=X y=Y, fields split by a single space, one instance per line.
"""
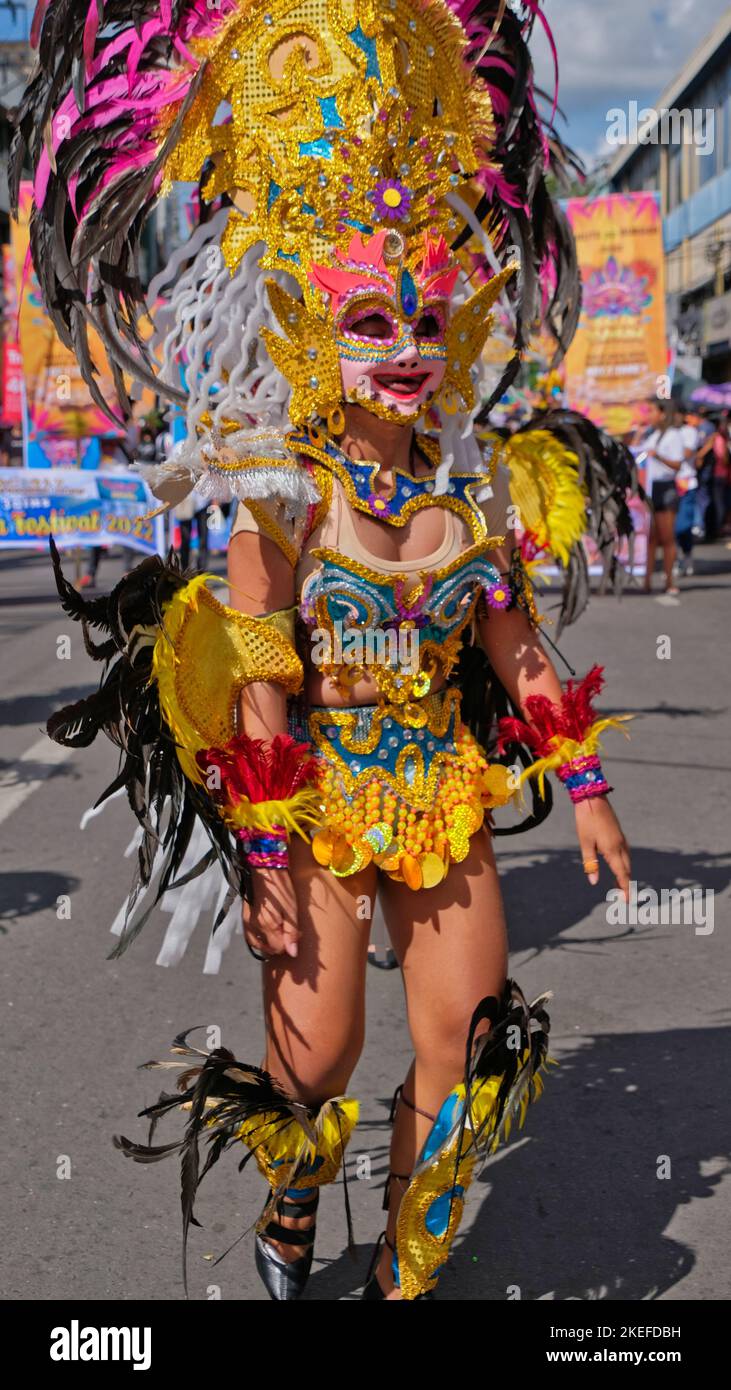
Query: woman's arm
x=668 y=463
x=519 y=660
x=261 y=580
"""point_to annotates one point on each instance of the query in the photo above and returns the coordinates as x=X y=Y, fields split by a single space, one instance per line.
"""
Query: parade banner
x=77 y=507
x=619 y=350
x=63 y=423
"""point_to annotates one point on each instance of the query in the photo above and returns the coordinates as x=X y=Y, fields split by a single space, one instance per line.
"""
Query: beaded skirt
x=404 y=786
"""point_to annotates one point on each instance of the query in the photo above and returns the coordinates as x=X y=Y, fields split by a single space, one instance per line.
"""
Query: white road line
x=14 y=790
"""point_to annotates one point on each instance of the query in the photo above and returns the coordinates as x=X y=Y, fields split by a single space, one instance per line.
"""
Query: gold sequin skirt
x=404 y=787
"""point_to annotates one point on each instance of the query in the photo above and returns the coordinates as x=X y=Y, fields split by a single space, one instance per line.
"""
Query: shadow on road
x=575 y=1208
x=26 y=892
x=540 y=909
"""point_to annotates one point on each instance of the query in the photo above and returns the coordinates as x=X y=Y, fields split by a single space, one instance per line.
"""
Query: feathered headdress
x=312 y=121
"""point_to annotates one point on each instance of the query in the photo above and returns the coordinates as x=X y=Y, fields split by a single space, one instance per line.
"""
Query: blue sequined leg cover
x=502 y=1076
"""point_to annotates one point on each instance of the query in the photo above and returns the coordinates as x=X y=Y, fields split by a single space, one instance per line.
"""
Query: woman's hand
x=600 y=833
x=270 y=921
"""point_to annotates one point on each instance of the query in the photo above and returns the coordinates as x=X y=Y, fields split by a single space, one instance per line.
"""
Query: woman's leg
x=665 y=523
x=451 y=943
x=315 y=1003
x=651 y=554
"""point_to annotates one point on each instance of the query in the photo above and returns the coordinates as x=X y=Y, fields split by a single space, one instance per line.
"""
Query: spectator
x=704 y=468
x=193 y=508
x=686 y=483
x=113 y=459
x=717 y=450
x=662 y=449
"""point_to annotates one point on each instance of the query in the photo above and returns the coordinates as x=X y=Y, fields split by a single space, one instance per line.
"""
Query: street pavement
x=619 y=1186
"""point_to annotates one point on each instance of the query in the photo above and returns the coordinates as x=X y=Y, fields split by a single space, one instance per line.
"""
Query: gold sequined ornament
x=343 y=118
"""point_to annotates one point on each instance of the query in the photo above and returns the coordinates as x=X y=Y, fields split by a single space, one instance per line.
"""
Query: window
x=675 y=175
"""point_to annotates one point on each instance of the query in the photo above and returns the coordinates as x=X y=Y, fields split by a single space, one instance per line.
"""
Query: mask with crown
x=382 y=163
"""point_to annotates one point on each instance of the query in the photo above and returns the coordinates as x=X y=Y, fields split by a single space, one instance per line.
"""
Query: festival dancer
x=376 y=689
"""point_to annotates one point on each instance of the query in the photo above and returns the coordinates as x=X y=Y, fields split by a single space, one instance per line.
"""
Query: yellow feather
x=544 y=487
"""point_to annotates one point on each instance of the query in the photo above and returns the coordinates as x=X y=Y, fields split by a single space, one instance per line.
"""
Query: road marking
x=14 y=790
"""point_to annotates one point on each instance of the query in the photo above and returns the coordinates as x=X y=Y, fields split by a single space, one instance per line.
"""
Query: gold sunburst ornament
x=351 y=124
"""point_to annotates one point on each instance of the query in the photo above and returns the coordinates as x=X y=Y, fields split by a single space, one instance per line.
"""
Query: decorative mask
x=394 y=345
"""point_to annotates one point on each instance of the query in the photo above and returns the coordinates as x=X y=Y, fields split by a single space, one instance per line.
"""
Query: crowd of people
x=686 y=455
x=685 y=451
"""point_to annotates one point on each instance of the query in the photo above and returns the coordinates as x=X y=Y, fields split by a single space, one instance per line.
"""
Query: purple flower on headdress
x=392 y=200
x=498 y=595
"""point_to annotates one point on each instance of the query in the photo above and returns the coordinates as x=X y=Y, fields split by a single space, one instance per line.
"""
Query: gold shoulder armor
x=205 y=654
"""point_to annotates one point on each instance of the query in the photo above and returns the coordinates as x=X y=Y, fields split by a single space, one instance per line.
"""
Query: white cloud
x=621 y=46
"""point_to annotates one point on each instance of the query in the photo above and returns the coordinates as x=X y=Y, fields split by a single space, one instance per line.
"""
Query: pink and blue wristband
x=583 y=778
x=265 y=849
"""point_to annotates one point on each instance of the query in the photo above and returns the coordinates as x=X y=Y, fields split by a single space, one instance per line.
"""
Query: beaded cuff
x=265 y=849
x=564 y=737
x=583 y=778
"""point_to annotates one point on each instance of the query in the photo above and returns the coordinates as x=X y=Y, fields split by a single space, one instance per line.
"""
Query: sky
x=610 y=52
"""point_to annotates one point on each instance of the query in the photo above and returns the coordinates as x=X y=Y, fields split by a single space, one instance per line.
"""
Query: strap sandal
x=285 y=1280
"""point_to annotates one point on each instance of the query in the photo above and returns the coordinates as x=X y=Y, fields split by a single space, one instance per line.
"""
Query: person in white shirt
x=663 y=451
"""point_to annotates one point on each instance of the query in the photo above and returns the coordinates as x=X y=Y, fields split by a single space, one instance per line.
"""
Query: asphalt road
x=619 y=1187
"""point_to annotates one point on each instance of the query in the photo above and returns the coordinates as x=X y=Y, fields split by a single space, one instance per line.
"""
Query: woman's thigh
x=451 y=943
x=315 y=1003
x=665 y=526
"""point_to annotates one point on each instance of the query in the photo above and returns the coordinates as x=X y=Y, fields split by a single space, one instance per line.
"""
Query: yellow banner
x=61 y=414
x=619 y=353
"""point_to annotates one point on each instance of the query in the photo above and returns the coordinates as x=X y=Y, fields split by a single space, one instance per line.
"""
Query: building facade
x=683 y=150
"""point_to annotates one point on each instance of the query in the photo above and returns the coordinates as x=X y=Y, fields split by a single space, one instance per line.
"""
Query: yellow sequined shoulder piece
x=205 y=655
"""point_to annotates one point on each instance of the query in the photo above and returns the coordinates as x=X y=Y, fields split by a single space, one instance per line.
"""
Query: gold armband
x=204 y=656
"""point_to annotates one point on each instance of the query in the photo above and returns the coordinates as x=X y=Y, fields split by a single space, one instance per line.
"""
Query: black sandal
x=283 y=1279
x=372 y=1289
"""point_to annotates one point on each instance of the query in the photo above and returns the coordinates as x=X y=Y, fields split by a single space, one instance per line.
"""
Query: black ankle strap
x=304 y=1208
x=400 y=1177
x=382 y=1240
x=398 y=1096
x=288 y=1235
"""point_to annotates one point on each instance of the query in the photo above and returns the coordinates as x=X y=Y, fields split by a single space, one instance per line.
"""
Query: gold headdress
x=350 y=124
x=313 y=121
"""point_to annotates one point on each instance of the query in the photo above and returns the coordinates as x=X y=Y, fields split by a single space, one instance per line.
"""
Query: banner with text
x=619 y=352
x=77 y=507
